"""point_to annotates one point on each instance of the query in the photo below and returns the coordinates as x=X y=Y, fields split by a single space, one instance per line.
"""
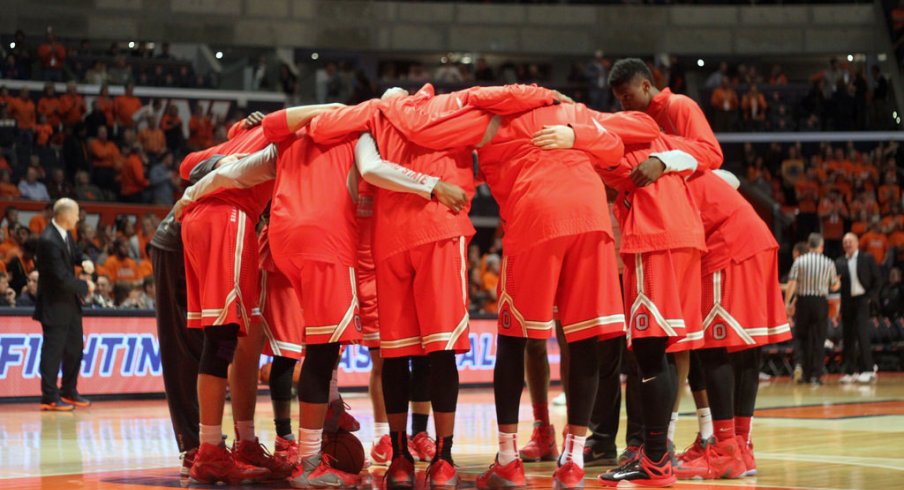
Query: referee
x=812 y=276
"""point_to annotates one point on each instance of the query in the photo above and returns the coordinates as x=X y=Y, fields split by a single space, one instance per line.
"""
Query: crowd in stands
x=119 y=250
x=143 y=63
x=483 y=277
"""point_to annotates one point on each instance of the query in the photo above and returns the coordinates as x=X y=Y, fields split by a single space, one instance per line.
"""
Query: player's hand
x=91 y=287
x=88 y=267
x=789 y=309
x=559 y=96
x=230 y=159
x=179 y=209
x=394 y=92
x=451 y=196
x=558 y=137
x=254 y=119
x=647 y=172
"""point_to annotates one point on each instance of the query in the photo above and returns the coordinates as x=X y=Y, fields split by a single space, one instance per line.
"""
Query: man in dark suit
x=59 y=308
x=859 y=285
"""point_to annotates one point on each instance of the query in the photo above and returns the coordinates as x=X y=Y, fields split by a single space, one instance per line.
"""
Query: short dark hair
x=814 y=241
x=801 y=248
x=624 y=71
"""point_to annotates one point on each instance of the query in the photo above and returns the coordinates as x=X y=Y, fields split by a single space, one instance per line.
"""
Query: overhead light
x=700 y=62
x=882 y=56
x=850 y=57
x=314 y=56
x=12 y=45
x=894 y=114
x=466 y=60
x=444 y=60
x=219 y=55
x=131 y=44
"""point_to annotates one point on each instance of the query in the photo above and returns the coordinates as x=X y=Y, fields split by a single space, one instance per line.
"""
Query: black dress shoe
x=600 y=455
x=77 y=400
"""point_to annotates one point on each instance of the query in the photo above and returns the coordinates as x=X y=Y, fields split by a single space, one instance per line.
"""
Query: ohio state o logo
x=642 y=322
x=506 y=319
x=719 y=331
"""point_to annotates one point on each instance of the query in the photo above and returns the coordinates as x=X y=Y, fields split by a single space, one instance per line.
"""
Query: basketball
x=264 y=373
x=346 y=449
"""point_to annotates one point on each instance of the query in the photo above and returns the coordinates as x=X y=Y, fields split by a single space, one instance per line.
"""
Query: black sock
x=400 y=445
x=419 y=422
x=283 y=427
x=443 y=449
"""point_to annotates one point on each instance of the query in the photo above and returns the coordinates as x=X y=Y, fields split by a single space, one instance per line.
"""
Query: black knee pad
x=420 y=379
x=396 y=384
x=218 y=349
x=443 y=381
x=281 y=371
x=316 y=373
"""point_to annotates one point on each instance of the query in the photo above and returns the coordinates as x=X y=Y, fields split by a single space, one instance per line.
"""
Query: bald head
x=65 y=213
x=850 y=243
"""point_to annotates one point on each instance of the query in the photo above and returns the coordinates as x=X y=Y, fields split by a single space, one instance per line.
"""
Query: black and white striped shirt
x=815 y=273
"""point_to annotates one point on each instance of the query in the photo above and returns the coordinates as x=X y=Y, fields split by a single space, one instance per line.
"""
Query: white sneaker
x=866 y=377
x=848 y=378
x=560 y=401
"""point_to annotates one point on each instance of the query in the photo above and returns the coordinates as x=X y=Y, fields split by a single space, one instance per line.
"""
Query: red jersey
x=404 y=221
x=313 y=213
x=733 y=229
x=264 y=255
x=660 y=216
x=252 y=201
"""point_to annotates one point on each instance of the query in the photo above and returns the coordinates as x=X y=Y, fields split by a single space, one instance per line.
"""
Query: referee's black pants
x=811 y=328
x=857 y=350
x=180 y=347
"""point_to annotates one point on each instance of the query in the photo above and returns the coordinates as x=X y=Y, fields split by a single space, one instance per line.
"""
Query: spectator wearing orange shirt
x=49 y=105
x=807 y=192
x=38 y=222
x=8 y=190
x=875 y=242
x=753 y=106
x=105 y=104
x=489 y=281
x=125 y=106
x=72 y=106
x=833 y=213
x=889 y=192
x=200 y=130
x=52 y=54
x=132 y=176
x=896 y=240
x=152 y=139
x=119 y=267
x=778 y=76
x=724 y=101
x=43 y=132
x=23 y=110
x=105 y=160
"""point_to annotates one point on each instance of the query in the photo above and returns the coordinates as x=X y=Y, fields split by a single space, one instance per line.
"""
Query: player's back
x=313 y=213
x=542 y=194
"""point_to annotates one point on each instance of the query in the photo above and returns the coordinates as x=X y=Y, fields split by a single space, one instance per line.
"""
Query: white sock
x=244 y=430
x=705 y=419
x=289 y=437
x=211 y=434
x=380 y=429
x=574 y=450
x=673 y=423
x=334 y=386
x=508 y=450
x=309 y=442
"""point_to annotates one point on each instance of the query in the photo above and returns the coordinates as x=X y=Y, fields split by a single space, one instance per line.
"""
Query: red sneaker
x=317 y=472
x=286 y=449
x=337 y=417
x=422 y=446
x=254 y=453
x=188 y=459
x=695 y=450
x=381 y=451
x=441 y=474
x=542 y=445
x=720 y=460
x=214 y=464
x=569 y=475
x=747 y=455
x=399 y=475
x=642 y=472
x=507 y=476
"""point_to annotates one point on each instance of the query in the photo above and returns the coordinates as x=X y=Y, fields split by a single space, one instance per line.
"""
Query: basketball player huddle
x=365 y=242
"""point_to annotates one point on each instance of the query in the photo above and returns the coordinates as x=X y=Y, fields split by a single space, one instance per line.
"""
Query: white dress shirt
x=857 y=289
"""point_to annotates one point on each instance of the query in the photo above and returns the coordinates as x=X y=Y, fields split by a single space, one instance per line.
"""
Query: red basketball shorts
x=328 y=297
x=367 y=299
x=743 y=304
x=221 y=266
x=576 y=273
x=662 y=297
x=283 y=320
x=424 y=299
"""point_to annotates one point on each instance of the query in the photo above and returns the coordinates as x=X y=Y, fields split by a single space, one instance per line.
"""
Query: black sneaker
x=599 y=453
x=77 y=400
x=642 y=472
x=57 y=406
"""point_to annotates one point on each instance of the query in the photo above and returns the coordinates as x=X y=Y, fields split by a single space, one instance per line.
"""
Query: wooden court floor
x=832 y=437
